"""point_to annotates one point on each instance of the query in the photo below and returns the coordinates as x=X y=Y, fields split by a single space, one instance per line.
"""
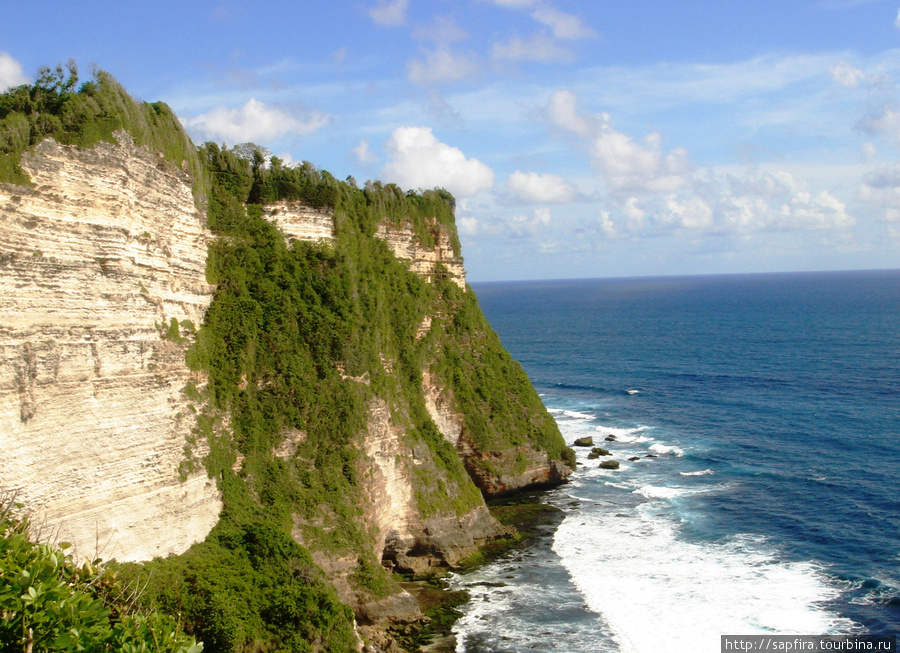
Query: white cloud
x=286 y=158
x=364 y=154
x=880 y=189
x=537 y=47
x=441 y=65
x=629 y=165
x=564 y=26
x=10 y=72
x=625 y=164
x=528 y=226
x=897 y=20
x=419 y=160
x=846 y=75
x=441 y=30
x=540 y=188
x=563 y=113
x=514 y=3
x=467 y=225
x=256 y=122
x=389 y=13
x=882 y=121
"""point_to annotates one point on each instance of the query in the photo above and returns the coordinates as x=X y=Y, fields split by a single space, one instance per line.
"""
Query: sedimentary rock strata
x=96 y=259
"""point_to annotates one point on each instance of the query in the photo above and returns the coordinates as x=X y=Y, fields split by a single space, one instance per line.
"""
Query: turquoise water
x=763 y=412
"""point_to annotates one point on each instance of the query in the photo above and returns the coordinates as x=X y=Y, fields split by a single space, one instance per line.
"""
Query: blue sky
x=582 y=139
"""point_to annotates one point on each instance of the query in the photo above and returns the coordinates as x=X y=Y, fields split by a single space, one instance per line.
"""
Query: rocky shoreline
x=526 y=516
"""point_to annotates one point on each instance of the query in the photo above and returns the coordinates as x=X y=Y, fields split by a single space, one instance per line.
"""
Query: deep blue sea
x=757 y=422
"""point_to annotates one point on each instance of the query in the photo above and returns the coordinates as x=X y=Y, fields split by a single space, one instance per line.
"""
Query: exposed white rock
x=393 y=510
x=438 y=405
x=302 y=222
x=423 y=260
x=105 y=247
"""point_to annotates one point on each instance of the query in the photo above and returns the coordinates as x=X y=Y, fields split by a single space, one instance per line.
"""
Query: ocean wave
x=624 y=434
x=571 y=414
x=650 y=586
x=657 y=492
x=702 y=472
x=659 y=448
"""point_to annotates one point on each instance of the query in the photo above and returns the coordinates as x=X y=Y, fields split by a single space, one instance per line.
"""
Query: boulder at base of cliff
x=584 y=442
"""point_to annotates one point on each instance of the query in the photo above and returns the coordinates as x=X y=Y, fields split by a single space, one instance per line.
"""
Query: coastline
x=529 y=516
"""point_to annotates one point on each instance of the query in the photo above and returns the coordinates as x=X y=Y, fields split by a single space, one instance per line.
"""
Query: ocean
x=756 y=420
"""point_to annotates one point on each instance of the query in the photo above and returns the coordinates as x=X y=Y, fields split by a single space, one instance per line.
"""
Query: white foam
x=574 y=414
x=655 y=492
x=633 y=392
x=655 y=590
x=624 y=434
x=664 y=449
x=702 y=472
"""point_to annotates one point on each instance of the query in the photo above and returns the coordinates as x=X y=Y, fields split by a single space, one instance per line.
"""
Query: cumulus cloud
x=441 y=30
x=564 y=26
x=364 y=154
x=10 y=72
x=528 y=226
x=540 y=188
x=882 y=121
x=624 y=164
x=467 y=225
x=846 y=75
x=255 y=121
x=389 y=13
x=419 y=160
x=538 y=47
x=563 y=113
x=442 y=65
x=630 y=165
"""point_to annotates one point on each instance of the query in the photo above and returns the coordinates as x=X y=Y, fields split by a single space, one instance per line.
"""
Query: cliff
x=290 y=387
x=104 y=249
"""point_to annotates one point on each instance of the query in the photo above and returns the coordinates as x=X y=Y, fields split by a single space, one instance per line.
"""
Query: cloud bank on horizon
x=581 y=139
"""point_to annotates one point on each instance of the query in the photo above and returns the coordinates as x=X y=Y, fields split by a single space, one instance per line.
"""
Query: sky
x=599 y=138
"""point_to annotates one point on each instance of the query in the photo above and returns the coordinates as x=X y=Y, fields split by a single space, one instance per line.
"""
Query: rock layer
x=96 y=259
x=422 y=259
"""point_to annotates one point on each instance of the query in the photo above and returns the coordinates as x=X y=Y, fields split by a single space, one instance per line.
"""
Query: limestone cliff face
x=302 y=222
x=422 y=259
x=104 y=249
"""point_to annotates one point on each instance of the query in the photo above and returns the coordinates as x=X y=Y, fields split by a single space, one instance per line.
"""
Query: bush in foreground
x=50 y=603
